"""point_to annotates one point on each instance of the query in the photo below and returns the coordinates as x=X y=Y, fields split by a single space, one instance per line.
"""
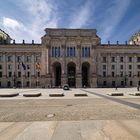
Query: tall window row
x=10 y=58
x=70 y=52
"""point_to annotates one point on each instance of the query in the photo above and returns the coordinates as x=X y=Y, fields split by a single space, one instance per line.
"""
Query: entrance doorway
x=57 y=74
x=71 y=74
x=85 y=74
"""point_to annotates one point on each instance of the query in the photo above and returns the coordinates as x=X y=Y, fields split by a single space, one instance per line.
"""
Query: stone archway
x=85 y=74
x=57 y=74
x=71 y=71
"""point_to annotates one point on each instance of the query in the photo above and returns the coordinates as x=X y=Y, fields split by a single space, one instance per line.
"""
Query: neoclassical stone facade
x=69 y=56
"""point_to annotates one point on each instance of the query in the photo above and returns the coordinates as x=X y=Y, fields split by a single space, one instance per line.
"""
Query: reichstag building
x=69 y=56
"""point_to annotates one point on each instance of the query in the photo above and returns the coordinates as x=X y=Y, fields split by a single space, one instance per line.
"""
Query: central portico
x=71 y=57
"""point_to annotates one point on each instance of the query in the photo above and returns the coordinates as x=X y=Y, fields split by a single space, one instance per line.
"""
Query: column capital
x=63 y=41
x=78 y=41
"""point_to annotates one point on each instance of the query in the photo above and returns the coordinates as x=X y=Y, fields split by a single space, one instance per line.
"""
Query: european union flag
x=23 y=65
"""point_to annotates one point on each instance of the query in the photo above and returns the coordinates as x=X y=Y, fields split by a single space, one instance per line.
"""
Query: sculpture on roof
x=135 y=39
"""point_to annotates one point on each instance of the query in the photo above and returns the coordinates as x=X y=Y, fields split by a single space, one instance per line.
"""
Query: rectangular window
x=37 y=83
x=38 y=59
x=138 y=66
x=104 y=59
x=130 y=59
x=19 y=58
x=121 y=67
x=104 y=67
x=122 y=83
x=28 y=84
x=0 y=74
x=9 y=67
x=121 y=74
x=28 y=58
x=10 y=74
x=113 y=74
x=138 y=59
x=130 y=73
x=113 y=59
x=104 y=83
x=8 y=84
x=38 y=74
x=130 y=67
x=28 y=67
x=113 y=67
x=104 y=74
x=138 y=74
x=1 y=58
x=131 y=83
x=18 y=67
x=19 y=74
x=121 y=59
x=0 y=67
x=28 y=74
x=113 y=83
x=9 y=58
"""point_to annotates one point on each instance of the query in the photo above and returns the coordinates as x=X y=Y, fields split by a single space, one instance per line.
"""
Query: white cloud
x=113 y=16
x=41 y=14
x=10 y=23
x=81 y=16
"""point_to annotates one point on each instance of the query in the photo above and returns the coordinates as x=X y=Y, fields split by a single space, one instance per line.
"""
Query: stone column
x=32 y=70
x=99 y=70
x=117 y=68
x=4 y=82
x=49 y=67
x=63 y=66
x=14 y=70
x=109 y=76
x=78 y=67
x=93 y=71
x=43 y=67
x=134 y=68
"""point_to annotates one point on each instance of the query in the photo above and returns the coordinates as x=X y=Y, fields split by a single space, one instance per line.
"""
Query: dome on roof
x=135 y=39
x=4 y=37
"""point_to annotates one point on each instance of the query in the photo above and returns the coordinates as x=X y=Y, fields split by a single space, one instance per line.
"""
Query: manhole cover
x=69 y=105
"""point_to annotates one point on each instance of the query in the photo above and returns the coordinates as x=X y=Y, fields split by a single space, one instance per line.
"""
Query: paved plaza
x=96 y=116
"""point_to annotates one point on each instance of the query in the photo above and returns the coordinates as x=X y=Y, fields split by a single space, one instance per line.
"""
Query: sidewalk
x=71 y=130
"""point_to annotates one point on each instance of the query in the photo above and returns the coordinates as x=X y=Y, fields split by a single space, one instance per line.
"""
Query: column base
x=78 y=81
x=64 y=79
x=93 y=82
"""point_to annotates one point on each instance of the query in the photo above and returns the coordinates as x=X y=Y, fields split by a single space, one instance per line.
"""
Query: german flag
x=38 y=67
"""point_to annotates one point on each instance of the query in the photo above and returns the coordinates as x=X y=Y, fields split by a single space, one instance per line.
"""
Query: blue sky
x=27 y=19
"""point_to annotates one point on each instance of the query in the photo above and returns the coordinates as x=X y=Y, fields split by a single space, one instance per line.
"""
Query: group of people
x=138 y=87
